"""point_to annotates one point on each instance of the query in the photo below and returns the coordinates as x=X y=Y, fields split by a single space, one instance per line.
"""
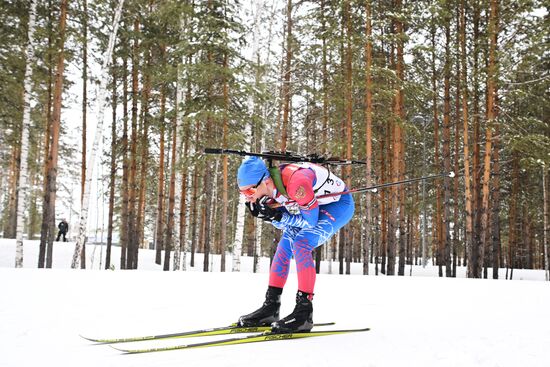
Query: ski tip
x=349 y=331
x=99 y=341
x=90 y=339
x=120 y=349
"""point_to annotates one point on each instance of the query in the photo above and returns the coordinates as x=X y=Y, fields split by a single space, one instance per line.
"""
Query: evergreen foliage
x=203 y=64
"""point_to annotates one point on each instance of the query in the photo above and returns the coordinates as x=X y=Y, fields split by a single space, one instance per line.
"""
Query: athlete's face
x=254 y=192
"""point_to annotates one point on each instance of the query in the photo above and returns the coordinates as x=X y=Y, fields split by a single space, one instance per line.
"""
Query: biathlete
x=306 y=225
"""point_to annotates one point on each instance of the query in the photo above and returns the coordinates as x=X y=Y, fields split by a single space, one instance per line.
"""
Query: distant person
x=63 y=229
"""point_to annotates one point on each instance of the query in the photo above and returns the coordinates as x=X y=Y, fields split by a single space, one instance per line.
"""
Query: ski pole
x=376 y=187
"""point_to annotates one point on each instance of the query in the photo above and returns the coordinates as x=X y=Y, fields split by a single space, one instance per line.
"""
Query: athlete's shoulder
x=300 y=186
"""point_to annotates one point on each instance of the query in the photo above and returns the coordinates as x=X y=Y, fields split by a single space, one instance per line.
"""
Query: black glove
x=253 y=208
x=267 y=213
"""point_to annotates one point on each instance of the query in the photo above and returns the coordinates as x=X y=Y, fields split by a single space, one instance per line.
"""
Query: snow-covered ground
x=415 y=321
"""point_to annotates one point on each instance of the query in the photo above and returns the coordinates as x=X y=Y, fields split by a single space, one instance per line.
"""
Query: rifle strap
x=277 y=180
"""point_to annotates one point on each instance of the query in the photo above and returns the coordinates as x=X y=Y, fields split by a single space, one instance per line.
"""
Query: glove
x=267 y=213
x=254 y=209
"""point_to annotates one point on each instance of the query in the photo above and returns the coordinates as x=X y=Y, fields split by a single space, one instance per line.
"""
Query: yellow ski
x=262 y=337
x=231 y=329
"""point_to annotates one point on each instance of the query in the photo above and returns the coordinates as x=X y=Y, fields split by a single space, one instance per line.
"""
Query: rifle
x=286 y=157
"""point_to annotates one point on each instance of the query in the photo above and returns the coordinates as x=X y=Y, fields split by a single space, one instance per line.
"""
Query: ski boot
x=300 y=320
x=267 y=314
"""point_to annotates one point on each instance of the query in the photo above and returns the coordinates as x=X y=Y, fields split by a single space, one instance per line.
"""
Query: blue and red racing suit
x=310 y=222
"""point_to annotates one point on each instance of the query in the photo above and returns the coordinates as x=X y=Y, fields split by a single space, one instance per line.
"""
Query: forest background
x=412 y=88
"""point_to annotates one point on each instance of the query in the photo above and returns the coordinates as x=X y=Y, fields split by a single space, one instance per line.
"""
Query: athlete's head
x=251 y=174
x=252 y=171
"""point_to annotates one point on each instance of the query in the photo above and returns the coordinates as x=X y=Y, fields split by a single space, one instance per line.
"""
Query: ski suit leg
x=281 y=261
x=332 y=217
x=301 y=242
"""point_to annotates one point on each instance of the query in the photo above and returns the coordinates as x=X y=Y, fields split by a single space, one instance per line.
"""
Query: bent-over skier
x=307 y=224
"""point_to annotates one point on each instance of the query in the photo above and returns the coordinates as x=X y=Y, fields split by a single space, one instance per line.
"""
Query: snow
x=415 y=321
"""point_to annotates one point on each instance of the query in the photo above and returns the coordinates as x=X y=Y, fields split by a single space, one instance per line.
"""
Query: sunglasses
x=252 y=190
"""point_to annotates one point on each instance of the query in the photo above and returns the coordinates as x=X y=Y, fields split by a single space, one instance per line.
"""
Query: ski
x=262 y=337
x=231 y=329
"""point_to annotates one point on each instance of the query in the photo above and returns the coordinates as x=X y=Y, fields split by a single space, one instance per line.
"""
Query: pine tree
x=48 y=216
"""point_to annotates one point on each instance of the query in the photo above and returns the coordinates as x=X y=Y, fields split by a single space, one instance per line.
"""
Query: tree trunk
x=180 y=96
x=512 y=217
x=206 y=207
x=159 y=235
x=208 y=181
x=15 y=169
x=476 y=171
x=47 y=128
x=447 y=150
x=458 y=76
x=132 y=195
x=34 y=225
x=468 y=244
x=384 y=155
x=530 y=239
x=144 y=159
x=84 y=94
x=50 y=63
x=22 y=191
x=84 y=112
x=214 y=247
x=240 y=224
x=45 y=226
x=368 y=130
x=114 y=145
x=223 y=238
x=183 y=202
x=132 y=185
x=324 y=114
x=394 y=155
x=325 y=81
x=286 y=90
x=168 y=245
x=495 y=200
x=195 y=202
x=492 y=81
x=399 y=168
x=348 y=127
x=545 y=177
x=437 y=167
x=394 y=197
x=124 y=219
x=48 y=217
x=239 y=234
